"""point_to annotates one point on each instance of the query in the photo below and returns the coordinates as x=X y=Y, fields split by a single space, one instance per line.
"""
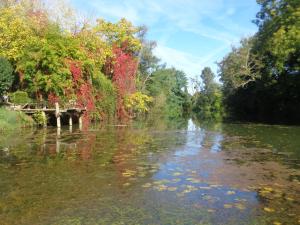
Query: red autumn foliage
x=76 y=71
x=83 y=90
x=40 y=18
x=124 y=74
x=52 y=98
x=124 y=71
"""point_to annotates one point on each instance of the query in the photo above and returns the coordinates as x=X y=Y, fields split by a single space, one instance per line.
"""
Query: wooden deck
x=58 y=112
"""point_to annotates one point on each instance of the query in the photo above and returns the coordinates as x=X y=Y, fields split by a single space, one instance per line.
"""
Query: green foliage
x=106 y=96
x=148 y=63
x=54 y=61
x=169 y=89
x=121 y=34
x=261 y=77
x=15 y=32
x=207 y=77
x=39 y=118
x=239 y=67
x=6 y=75
x=207 y=102
x=208 y=107
x=19 y=97
x=44 y=64
x=278 y=39
x=10 y=120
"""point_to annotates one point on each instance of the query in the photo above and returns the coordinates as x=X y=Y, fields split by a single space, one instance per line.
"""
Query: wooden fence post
x=57 y=114
x=80 y=121
x=70 y=120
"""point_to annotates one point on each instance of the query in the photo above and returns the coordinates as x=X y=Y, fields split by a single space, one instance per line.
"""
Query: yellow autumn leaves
x=138 y=102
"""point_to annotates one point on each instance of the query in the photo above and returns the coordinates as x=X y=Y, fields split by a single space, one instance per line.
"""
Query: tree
x=121 y=34
x=169 y=89
x=278 y=39
x=207 y=77
x=207 y=100
x=239 y=67
x=148 y=63
x=6 y=75
x=15 y=33
x=44 y=67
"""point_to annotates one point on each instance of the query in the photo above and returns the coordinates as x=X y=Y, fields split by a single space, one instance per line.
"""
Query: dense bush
x=6 y=75
x=19 y=97
x=106 y=96
x=39 y=118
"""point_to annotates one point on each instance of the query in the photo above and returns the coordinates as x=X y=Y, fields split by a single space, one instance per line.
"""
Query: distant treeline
x=261 y=77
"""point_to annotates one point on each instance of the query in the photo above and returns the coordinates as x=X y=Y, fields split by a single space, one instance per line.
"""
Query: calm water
x=184 y=172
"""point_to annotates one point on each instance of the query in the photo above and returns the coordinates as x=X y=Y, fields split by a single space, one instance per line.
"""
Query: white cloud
x=191 y=64
x=211 y=19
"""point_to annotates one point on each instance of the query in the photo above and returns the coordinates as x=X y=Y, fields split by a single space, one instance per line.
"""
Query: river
x=155 y=172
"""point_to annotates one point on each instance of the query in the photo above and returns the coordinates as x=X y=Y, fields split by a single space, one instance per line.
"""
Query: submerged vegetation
x=162 y=172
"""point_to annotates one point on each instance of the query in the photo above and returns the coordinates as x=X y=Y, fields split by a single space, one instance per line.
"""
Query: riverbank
x=10 y=120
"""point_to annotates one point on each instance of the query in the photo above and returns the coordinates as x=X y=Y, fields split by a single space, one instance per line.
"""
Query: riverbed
x=155 y=172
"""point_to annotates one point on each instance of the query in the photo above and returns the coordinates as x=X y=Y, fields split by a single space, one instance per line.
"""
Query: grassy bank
x=10 y=120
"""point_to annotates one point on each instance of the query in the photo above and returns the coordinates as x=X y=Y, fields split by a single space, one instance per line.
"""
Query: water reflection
x=152 y=172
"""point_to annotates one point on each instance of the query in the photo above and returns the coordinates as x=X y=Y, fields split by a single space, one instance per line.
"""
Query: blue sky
x=190 y=34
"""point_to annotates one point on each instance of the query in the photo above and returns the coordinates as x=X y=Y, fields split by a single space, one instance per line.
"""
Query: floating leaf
x=211 y=210
x=239 y=206
x=172 y=188
x=177 y=174
x=227 y=206
x=269 y=209
x=193 y=180
x=147 y=185
x=205 y=188
x=161 y=187
x=230 y=193
x=289 y=199
x=268 y=189
x=129 y=173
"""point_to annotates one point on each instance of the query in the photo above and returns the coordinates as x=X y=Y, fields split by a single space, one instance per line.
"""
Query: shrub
x=6 y=75
x=138 y=102
x=105 y=96
x=39 y=118
x=19 y=97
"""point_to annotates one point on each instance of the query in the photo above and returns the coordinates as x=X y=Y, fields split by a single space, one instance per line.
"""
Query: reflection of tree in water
x=101 y=173
x=280 y=139
x=44 y=145
x=139 y=151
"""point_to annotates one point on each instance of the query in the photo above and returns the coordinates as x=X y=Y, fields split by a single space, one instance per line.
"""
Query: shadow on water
x=151 y=172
